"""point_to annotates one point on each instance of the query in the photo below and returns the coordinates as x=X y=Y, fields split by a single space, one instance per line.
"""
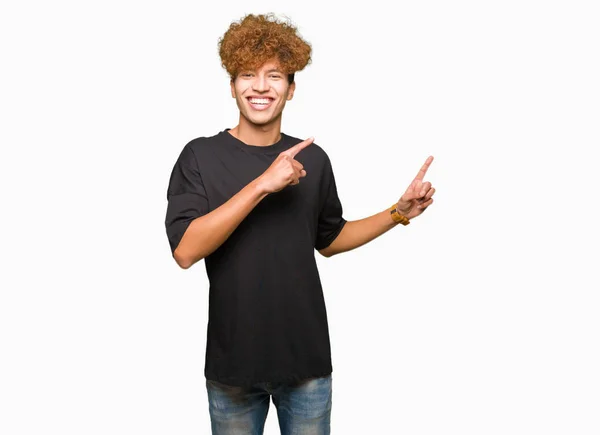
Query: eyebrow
x=277 y=70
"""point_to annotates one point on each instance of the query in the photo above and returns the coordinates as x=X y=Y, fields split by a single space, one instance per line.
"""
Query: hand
x=418 y=196
x=284 y=171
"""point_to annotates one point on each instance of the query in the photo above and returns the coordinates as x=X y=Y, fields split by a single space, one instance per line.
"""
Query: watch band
x=397 y=217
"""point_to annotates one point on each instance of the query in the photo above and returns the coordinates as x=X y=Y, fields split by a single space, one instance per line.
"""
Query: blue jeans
x=303 y=408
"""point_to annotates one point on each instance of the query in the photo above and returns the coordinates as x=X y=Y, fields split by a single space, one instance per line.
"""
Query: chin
x=261 y=120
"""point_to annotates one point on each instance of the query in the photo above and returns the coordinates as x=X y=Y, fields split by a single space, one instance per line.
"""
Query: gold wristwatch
x=397 y=217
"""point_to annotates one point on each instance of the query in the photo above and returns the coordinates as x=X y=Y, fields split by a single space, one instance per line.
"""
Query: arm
x=360 y=232
x=206 y=233
x=414 y=202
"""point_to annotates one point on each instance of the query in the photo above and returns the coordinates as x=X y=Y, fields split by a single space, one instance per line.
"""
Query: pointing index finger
x=423 y=170
x=299 y=147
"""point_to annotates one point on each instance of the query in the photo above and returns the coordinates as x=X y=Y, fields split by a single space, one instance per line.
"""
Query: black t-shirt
x=267 y=318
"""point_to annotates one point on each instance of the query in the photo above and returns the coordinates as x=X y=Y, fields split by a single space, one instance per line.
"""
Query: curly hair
x=255 y=39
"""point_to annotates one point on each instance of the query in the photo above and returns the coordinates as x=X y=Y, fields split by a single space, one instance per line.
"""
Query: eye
x=246 y=74
x=275 y=76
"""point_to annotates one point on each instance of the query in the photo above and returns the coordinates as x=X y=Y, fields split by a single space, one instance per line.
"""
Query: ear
x=291 y=90
x=231 y=83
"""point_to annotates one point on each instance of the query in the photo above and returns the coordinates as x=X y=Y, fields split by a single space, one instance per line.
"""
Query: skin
x=262 y=128
x=415 y=200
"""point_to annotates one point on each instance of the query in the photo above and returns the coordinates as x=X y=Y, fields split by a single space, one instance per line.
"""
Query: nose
x=260 y=84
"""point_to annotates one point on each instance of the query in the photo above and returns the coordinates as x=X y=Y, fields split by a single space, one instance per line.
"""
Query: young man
x=255 y=203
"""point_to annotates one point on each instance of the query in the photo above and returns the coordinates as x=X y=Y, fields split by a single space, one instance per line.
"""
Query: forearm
x=206 y=233
x=359 y=232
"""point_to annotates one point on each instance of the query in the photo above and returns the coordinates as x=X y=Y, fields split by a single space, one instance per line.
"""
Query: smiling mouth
x=260 y=103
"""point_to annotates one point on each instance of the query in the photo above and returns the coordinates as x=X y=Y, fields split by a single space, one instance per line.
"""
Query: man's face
x=261 y=93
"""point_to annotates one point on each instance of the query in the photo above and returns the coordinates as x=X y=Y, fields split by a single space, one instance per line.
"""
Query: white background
x=481 y=317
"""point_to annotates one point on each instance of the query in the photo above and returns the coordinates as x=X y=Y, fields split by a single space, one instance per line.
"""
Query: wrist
x=259 y=187
x=397 y=216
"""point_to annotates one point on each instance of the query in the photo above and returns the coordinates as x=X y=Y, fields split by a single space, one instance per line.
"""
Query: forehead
x=270 y=65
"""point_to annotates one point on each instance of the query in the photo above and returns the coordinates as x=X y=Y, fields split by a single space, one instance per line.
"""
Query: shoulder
x=200 y=144
x=196 y=149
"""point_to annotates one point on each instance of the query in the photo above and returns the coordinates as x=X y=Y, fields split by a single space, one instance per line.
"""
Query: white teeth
x=260 y=100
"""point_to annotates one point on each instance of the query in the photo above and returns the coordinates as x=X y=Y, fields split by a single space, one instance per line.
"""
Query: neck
x=258 y=135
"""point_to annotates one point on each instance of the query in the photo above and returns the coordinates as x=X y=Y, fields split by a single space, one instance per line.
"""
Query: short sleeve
x=331 y=221
x=186 y=196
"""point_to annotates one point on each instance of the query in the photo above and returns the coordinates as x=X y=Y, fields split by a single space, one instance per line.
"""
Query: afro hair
x=255 y=39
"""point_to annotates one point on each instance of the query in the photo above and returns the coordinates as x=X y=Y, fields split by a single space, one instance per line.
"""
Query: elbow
x=183 y=261
x=184 y=264
x=327 y=252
